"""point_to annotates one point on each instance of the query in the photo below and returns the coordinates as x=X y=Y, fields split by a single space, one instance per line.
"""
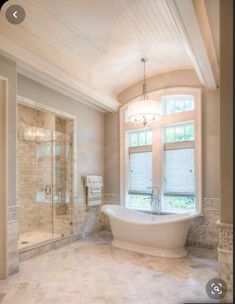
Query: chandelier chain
x=145 y=110
x=144 y=95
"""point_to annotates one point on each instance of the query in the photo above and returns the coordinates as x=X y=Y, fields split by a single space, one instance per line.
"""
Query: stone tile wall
x=203 y=230
x=13 y=258
x=34 y=173
x=225 y=257
x=88 y=220
x=37 y=169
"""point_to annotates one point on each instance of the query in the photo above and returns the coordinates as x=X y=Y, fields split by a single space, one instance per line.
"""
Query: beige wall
x=3 y=198
x=210 y=127
x=226 y=110
x=90 y=128
x=111 y=153
x=8 y=70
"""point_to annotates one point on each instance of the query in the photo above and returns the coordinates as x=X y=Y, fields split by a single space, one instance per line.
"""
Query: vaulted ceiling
x=92 y=48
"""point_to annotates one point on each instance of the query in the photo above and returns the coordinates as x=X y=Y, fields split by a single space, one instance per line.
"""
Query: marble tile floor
x=93 y=272
x=34 y=237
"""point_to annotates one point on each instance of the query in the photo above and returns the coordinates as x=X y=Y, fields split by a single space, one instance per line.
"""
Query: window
x=177 y=103
x=140 y=138
x=179 y=171
x=140 y=169
x=179 y=132
x=140 y=202
x=179 y=168
x=164 y=155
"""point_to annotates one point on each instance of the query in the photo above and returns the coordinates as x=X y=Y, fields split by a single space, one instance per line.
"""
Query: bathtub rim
x=180 y=217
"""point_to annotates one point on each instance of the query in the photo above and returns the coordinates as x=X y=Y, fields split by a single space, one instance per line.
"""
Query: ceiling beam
x=202 y=16
x=187 y=23
x=38 y=69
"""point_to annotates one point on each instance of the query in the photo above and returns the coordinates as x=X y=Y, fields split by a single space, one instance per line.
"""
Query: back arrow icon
x=15 y=14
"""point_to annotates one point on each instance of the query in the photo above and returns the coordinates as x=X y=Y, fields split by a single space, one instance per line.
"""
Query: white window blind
x=140 y=172
x=179 y=172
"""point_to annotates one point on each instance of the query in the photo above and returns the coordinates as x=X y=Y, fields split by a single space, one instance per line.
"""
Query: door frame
x=3 y=179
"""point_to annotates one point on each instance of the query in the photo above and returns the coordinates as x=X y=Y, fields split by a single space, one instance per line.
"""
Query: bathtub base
x=159 y=252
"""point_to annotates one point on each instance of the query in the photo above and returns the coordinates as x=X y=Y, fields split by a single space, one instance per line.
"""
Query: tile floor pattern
x=93 y=272
x=34 y=237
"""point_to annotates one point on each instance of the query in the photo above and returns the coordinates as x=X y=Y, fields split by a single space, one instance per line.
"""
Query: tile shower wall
x=89 y=145
x=85 y=220
x=32 y=214
x=35 y=171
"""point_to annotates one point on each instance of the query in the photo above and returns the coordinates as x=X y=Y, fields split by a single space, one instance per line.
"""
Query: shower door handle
x=48 y=190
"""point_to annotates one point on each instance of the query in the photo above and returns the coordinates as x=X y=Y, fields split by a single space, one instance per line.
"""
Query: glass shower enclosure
x=45 y=178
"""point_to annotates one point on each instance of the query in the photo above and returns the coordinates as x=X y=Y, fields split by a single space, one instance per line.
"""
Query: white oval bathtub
x=158 y=235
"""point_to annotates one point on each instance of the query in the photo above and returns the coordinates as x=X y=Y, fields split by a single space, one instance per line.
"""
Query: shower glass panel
x=62 y=186
x=35 y=173
x=45 y=176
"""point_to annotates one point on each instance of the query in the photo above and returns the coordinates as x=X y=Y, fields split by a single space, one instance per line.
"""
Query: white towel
x=95 y=182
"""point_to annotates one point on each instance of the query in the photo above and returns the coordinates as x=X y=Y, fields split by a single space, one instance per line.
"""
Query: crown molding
x=186 y=21
x=46 y=73
x=58 y=86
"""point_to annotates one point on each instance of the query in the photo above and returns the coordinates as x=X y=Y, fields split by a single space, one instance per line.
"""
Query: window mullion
x=177 y=117
x=179 y=145
x=156 y=148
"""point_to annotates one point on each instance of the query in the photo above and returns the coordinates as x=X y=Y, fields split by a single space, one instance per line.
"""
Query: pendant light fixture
x=145 y=110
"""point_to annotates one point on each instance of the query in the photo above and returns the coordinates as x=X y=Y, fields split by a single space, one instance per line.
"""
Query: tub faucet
x=155 y=200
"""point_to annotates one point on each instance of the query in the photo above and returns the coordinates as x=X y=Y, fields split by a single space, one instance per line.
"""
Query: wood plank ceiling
x=99 y=43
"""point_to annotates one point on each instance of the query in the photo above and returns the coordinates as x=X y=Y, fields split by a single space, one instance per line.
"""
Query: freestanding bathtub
x=158 y=235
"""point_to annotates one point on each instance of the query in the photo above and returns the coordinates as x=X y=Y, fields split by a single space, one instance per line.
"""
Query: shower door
x=44 y=175
x=54 y=183
x=44 y=183
x=35 y=173
x=62 y=184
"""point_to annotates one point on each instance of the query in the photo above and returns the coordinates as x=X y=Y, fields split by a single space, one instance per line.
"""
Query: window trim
x=158 y=151
x=139 y=149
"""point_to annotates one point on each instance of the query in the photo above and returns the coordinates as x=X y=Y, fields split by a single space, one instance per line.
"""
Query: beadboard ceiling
x=98 y=43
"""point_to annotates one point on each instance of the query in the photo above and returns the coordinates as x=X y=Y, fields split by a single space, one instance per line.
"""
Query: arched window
x=165 y=156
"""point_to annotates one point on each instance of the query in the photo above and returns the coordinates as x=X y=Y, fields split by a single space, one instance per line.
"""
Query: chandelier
x=145 y=110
